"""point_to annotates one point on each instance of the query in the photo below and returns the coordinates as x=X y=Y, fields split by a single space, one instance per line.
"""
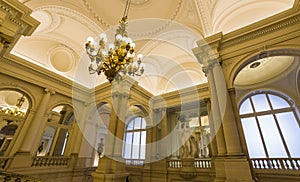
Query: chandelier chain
x=128 y=2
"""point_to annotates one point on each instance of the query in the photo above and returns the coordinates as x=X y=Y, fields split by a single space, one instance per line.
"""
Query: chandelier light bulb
x=130 y=40
x=104 y=52
x=132 y=55
x=132 y=45
x=140 y=56
x=111 y=46
x=119 y=37
x=90 y=39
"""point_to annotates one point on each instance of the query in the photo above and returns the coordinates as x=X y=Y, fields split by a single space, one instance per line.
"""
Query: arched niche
x=14 y=108
x=274 y=70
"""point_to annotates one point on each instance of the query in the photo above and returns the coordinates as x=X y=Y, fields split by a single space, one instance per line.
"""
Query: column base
x=101 y=177
x=21 y=160
x=233 y=169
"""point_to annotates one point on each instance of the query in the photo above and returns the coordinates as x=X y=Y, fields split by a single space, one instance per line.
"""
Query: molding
x=181 y=97
x=95 y=15
x=20 y=15
x=143 y=34
x=75 y=15
x=204 y=15
x=42 y=77
x=261 y=28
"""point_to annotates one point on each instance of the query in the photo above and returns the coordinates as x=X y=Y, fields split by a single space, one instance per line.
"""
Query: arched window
x=271 y=126
x=57 y=132
x=135 y=139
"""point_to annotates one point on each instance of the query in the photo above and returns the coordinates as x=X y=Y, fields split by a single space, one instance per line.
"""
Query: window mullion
x=259 y=129
x=278 y=127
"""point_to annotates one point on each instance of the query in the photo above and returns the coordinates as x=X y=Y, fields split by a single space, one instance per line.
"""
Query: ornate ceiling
x=164 y=31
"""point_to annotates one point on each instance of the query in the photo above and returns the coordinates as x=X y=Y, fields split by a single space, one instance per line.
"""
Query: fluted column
x=35 y=124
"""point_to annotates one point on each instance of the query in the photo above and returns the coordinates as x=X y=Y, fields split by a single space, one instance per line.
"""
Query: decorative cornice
x=258 y=32
x=19 y=14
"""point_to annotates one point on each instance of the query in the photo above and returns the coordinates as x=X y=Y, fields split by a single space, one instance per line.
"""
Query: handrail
x=291 y=164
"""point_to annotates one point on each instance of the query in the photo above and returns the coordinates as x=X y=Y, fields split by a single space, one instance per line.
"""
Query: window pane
x=60 y=142
x=137 y=123
x=136 y=145
x=204 y=121
x=271 y=136
x=194 y=122
x=127 y=145
x=253 y=139
x=246 y=107
x=143 y=124
x=291 y=132
x=277 y=102
x=143 y=145
x=130 y=125
x=46 y=141
x=260 y=102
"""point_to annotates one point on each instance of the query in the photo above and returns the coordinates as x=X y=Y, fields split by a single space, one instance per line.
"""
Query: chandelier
x=14 y=110
x=115 y=60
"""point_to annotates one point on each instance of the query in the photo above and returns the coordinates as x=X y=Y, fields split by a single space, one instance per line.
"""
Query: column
x=35 y=124
x=112 y=166
x=161 y=145
x=238 y=120
x=23 y=132
x=23 y=158
x=233 y=125
x=215 y=116
x=213 y=144
x=165 y=142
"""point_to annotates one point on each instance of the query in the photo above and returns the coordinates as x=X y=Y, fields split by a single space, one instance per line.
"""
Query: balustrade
x=51 y=161
x=202 y=163
x=198 y=163
x=134 y=162
x=175 y=163
x=292 y=164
